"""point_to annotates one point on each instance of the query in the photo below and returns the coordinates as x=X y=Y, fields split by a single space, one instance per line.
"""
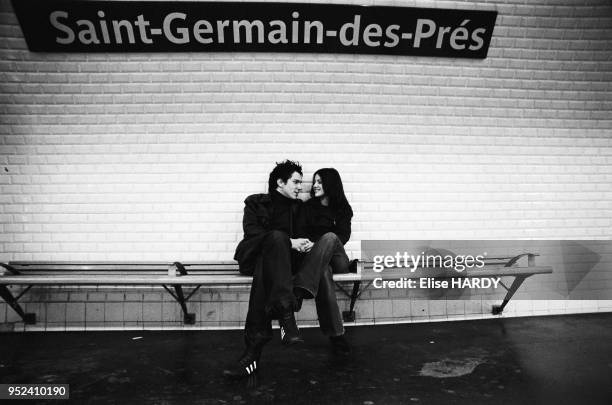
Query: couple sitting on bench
x=291 y=249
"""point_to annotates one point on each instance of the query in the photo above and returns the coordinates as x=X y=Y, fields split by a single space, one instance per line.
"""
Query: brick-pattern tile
x=129 y=156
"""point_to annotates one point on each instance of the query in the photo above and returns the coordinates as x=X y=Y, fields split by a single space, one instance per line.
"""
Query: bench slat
x=89 y=263
x=52 y=266
x=215 y=279
x=487 y=271
x=208 y=279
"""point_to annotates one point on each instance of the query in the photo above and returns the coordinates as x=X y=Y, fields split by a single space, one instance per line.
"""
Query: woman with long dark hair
x=327 y=224
x=328 y=210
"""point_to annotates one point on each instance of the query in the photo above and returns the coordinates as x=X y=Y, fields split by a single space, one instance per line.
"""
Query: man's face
x=292 y=187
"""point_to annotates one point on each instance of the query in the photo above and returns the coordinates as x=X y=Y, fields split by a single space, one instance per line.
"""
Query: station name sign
x=171 y=26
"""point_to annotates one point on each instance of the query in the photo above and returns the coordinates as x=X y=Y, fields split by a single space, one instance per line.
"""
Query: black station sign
x=177 y=26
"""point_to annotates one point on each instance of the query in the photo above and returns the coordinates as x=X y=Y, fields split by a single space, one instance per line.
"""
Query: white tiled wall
x=149 y=156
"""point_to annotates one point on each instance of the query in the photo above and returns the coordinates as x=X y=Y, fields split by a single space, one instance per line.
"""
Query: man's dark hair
x=283 y=171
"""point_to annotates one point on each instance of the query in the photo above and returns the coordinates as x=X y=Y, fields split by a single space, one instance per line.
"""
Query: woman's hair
x=332 y=186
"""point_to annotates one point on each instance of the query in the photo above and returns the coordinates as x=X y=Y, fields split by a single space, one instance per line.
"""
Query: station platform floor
x=536 y=360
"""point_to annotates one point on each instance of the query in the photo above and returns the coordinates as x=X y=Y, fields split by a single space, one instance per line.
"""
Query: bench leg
x=518 y=280
x=189 y=318
x=349 y=316
x=28 y=318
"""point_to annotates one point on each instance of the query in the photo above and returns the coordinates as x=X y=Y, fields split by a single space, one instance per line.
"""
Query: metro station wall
x=149 y=156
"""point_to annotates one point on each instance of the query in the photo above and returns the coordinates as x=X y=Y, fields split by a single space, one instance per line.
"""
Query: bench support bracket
x=10 y=268
x=5 y=293
x=349 y=316
x=189 y=318
x=518 y=281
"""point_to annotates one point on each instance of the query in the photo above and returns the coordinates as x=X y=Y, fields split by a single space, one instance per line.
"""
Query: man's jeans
x=273 y=283
x=272 y=287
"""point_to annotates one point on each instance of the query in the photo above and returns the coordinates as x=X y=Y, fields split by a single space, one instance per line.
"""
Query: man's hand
x=300 y=244
x=308 y=246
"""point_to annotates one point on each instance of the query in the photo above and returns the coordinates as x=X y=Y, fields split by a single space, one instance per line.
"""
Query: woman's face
x=317 y=186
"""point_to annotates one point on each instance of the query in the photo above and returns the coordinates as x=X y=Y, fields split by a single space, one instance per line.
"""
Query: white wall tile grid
x=149 y=156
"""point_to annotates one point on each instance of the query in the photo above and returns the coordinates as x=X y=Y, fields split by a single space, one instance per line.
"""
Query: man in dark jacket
x=268 y=252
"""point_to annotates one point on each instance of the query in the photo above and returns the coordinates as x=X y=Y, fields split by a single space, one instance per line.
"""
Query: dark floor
x=551 y=360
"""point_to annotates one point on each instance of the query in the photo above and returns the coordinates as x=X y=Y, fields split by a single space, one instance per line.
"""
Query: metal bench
x=493 y=267
x=196 y=275
x=173 y=277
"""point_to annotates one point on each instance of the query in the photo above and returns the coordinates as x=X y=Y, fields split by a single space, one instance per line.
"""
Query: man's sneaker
x=247 y=364
x=290 y=334
x=340 y=345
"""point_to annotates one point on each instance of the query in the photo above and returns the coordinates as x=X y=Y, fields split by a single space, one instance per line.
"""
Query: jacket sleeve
x=251 y=223
x=343 y=225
